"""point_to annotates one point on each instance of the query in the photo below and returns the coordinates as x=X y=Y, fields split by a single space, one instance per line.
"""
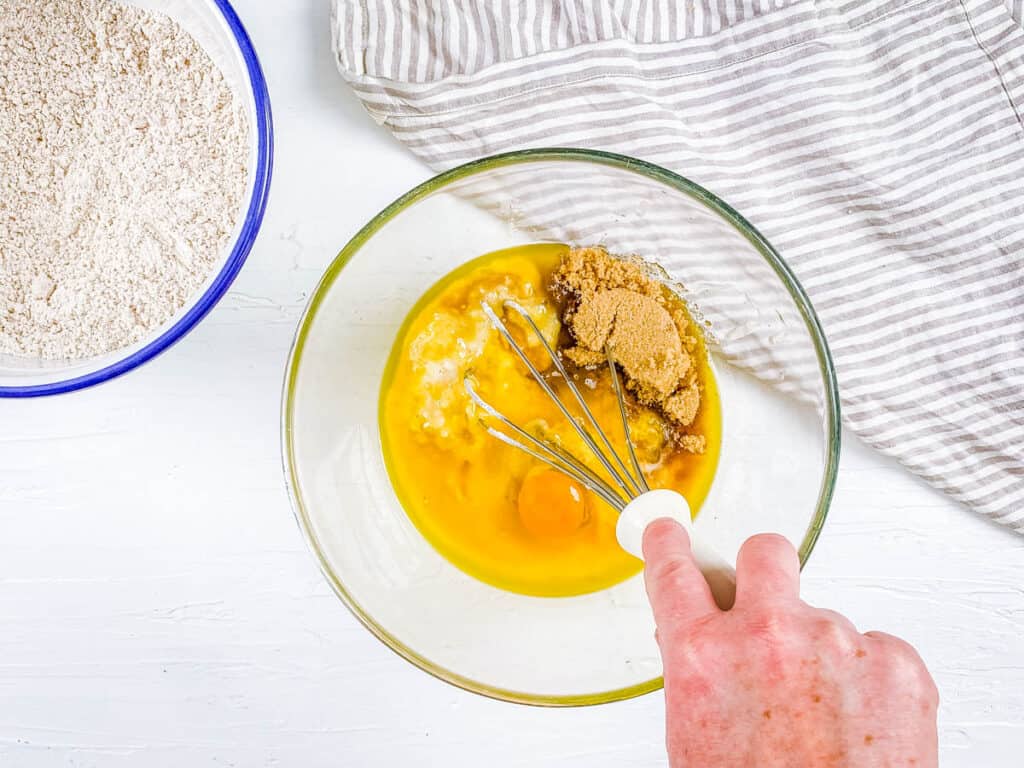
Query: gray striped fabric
x=878 y=144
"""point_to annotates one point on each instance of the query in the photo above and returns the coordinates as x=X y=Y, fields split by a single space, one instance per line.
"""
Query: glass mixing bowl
x=779 y=404
x=217 y=28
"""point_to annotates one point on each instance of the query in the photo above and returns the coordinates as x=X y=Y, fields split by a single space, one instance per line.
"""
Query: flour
x=122 y=171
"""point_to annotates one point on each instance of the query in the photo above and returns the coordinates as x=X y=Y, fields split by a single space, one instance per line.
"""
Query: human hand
x=774 y=682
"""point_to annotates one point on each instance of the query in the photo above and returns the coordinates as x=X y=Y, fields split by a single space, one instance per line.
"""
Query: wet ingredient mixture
x=493 y=511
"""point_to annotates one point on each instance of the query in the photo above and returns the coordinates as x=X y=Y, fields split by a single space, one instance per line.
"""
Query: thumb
x=676 y=588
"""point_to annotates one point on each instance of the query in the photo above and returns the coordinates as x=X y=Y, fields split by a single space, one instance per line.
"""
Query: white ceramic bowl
x=216 y=27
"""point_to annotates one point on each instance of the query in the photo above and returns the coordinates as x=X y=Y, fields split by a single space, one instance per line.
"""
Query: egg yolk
x=551 y=504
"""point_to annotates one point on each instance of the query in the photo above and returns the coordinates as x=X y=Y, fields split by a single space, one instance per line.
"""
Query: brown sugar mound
x=612 y=303
x=639 y=331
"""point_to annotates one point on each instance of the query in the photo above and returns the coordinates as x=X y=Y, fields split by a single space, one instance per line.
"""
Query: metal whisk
x=627 y=483
x=628 y=492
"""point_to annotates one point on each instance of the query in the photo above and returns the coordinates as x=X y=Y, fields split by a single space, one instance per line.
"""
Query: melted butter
x=460 y=486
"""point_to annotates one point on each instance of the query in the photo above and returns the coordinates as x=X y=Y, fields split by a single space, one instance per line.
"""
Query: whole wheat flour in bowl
x=123 y=158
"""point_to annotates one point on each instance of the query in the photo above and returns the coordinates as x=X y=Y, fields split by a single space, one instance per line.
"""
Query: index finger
x=677 y=589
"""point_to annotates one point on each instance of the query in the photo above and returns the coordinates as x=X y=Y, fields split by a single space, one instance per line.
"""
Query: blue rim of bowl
x=243 y=245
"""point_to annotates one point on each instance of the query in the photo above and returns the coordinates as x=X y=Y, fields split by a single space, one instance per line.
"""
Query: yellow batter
x=493 y=511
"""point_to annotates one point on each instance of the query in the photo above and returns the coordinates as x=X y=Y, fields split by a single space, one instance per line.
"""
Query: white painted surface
x=158 y=606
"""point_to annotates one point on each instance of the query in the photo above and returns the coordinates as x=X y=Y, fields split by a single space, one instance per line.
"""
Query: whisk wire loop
x=541 y=450
x=630 y=485
x=620 y=474
x=621 y=400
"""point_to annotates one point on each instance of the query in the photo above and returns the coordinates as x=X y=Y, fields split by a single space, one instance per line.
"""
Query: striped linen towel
x=878 y=144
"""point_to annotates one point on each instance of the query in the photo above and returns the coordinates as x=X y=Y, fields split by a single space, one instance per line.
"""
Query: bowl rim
x=624 y=162
x=239 y=252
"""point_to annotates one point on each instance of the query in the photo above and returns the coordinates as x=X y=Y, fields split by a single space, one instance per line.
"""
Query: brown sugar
x=585 y=271
x=682 y=405
x=693 y=443
x=641 y=334
x=613 y=304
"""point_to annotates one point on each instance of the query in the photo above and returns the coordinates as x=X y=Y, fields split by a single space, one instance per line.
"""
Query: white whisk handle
x=654 y=505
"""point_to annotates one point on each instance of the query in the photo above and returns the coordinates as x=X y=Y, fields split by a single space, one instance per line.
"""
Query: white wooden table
x=158 y=606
